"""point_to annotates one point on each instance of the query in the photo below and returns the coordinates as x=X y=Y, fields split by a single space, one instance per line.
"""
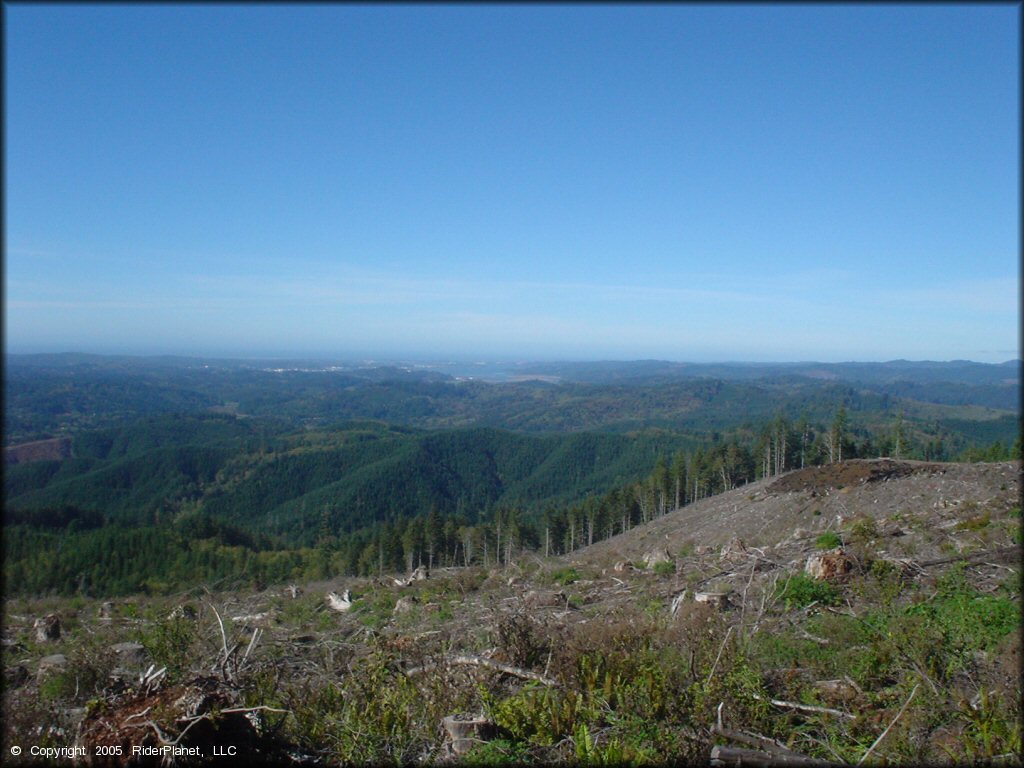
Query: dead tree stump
x=47 y=628
x=466 y=731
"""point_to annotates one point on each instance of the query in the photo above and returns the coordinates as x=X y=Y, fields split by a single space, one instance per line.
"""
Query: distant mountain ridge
x=967 y=371
x=50 y=395
x=959 y=371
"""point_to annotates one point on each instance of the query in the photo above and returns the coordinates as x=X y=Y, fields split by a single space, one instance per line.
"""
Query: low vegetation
x=818 y=667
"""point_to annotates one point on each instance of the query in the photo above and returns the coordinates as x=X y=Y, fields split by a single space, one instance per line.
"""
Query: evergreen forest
x=182 y=473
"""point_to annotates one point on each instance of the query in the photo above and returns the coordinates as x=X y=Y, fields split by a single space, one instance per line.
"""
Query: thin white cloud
x=84 y=305
x=387 y=289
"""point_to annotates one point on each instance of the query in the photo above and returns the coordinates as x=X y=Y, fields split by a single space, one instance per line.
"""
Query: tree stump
x=833 y=565
x=719 y=600
x=47 y=628
x=131 y=658
x=405 y=604
x=342 y=602
x=656 y=556
x=58 y=662
x=466 y=731
x=185 y=611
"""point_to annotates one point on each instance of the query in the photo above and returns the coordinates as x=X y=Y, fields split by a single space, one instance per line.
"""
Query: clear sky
x=685 y=182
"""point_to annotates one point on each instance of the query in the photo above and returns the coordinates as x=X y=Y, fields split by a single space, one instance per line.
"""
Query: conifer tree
x=837 y=434
x=899 y=442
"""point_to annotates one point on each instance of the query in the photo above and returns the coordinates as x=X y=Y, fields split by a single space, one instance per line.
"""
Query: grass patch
x=976 y=523
x=828 y=540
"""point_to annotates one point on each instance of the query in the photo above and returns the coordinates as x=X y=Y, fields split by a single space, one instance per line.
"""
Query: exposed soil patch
x=54 y=449
x=848 y=473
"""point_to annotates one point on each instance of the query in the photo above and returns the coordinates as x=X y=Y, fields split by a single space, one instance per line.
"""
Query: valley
x=613 y=565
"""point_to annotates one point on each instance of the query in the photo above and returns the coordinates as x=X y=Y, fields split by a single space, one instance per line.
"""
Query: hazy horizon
x=696 y=183
x=466 y=359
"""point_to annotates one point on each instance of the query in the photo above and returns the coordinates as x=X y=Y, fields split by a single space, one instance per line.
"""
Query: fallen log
x=737 y=756
x=994 y=553
x=806 y=707
x=761 y=743
x=483 y=661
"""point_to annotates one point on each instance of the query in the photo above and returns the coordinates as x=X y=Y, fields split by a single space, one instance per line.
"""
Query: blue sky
x=685 y=182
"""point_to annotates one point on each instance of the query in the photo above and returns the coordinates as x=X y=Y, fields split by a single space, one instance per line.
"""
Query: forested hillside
x=272 y=471
x=291 y=483
x=175 y=500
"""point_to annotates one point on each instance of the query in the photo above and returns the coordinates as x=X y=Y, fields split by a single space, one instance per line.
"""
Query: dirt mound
x=850 y=473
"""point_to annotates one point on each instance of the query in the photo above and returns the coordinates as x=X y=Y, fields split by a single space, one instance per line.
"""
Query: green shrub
x=864 y=530
x=785 y=649
x=170 y=644
x=58 y=686
x=86 y=673
x=887 y=578
x=968 y=620
x=565 y=576
x=829 y=540
x=990 y=729
x=665 y=568
x=301 y=611
x=374 y=715
x=653 y=609
x=589 y=752
x=376 y=610
x=801 y=590
x=541 y=715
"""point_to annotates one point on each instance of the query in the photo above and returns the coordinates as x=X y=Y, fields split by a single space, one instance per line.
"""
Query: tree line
x=72 y=551
x=684 y=477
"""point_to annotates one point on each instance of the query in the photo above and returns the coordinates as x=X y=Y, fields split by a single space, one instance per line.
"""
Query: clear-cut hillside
x=920 y=509
x=907 y=652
